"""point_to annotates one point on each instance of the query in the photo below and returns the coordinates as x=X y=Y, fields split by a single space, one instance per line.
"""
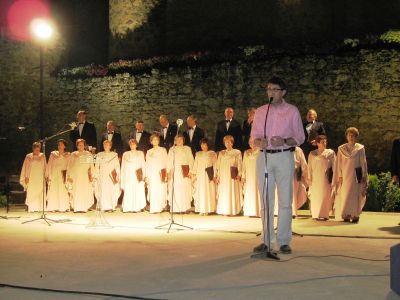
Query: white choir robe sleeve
x=189 y=157
x=304 y=167
x=143 y=163
x=26 y=168
x=123 y=167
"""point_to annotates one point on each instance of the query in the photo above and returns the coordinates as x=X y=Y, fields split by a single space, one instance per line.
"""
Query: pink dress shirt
x=283 y=120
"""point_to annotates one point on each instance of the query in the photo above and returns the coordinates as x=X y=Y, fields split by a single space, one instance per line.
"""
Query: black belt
x=291 y=149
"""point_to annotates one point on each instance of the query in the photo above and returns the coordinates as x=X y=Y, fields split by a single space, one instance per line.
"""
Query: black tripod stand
x=43 y=216
x=171 y=222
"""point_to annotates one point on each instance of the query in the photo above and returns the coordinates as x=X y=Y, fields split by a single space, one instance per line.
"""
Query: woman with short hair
x=351 y=177
x=108 y=175
x=32 y=178
x=57 y=193
x=204 y=187
x=133 y=172
x=229 y=170
x=80 y=176
x=321 y=163
x=179 y=170
x=156 y=175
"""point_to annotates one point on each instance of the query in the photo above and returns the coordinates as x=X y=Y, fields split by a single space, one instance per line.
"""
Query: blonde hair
x=229 y=138
x=80 y=141
x=133 y=141
x=107 y=142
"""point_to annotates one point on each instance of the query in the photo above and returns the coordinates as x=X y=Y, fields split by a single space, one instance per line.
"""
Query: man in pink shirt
x=277 y=129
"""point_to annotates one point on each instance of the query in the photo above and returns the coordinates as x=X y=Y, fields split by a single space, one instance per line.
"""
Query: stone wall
x=359 y=89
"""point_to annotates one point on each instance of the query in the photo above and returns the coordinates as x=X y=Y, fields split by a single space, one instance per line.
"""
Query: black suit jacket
x=234 y=130
x=198 y=134
x=395 y=158
x=317 y=128
x=88 y=134
x=246 y=130
x=116 y=143
x=168 y=142
x=144 y=142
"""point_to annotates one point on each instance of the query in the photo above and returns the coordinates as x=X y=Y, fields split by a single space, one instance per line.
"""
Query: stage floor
x=210 y=262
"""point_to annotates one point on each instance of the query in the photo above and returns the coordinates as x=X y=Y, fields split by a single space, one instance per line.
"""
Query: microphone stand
x=269 y=253
x=43 y=216
x=171 y=211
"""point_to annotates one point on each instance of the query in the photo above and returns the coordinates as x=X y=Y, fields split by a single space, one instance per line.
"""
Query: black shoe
x=355 y=220
x=285 y=249
x=260 y=248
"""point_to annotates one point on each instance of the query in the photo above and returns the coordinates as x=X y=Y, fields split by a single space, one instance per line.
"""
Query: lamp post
x=42 y=31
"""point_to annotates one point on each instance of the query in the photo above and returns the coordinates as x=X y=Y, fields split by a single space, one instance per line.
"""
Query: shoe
x=346 y=220
x=285 y=249
x=355 y=220
x=260 y=248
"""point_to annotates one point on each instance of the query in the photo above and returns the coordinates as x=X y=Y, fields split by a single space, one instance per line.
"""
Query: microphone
x=270 y=100
x=179 y=122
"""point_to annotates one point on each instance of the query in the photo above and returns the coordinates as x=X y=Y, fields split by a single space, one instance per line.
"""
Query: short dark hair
x=62 y=141
x=278 y=81
x=205 y=141
x=140 y=121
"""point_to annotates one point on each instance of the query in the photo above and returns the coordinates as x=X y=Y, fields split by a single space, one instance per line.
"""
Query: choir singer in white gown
x=56 y=171
x=229 y=169
x=108 y=175
x=133 y=172
x=156 y=175
x=251 y=195
x=321 y=163
x=351 y=176
x=179 y=169
x=32 y=178
x=204 y=187
x=80 y=175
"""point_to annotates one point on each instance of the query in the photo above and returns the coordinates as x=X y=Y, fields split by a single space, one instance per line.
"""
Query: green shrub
x=3 y=200
x=391 y=37
x=382 y=195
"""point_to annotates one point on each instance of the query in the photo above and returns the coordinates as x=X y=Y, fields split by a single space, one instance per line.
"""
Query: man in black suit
x=193 y=134
x=312 y=129
x=229 y=126
x=114 y=137
x=84 y=130
x=167 y=133
x=141 y=136
x=395 y=161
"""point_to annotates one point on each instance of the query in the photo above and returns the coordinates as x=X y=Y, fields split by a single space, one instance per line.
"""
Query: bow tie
x=227 y=121
x=139 y=132
x=165 y=127
x=190 y=128
x=110 y=132
x=81 y=123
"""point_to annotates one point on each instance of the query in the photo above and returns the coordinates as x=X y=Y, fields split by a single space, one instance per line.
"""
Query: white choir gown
x=81 y=170
x=57 y=193
x=107 y=191
x=204 y=194
x=229 y=191
x=156 y=160
x=134 y=193
x=299 y=186
x=33 y=168
x=251 y=195
x=351 y=195
x=180 y=187
x=320 y=192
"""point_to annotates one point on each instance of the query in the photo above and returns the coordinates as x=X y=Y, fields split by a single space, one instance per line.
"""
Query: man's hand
x=340 y=180
x=261 y=143
x=277 y=141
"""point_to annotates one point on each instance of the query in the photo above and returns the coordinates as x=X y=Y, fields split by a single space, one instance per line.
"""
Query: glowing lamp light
x=41 y=29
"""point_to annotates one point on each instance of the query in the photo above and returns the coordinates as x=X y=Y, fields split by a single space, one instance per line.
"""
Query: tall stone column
x=136 y=28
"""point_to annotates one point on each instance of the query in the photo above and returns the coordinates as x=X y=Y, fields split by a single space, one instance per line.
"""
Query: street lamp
x=42 y=31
